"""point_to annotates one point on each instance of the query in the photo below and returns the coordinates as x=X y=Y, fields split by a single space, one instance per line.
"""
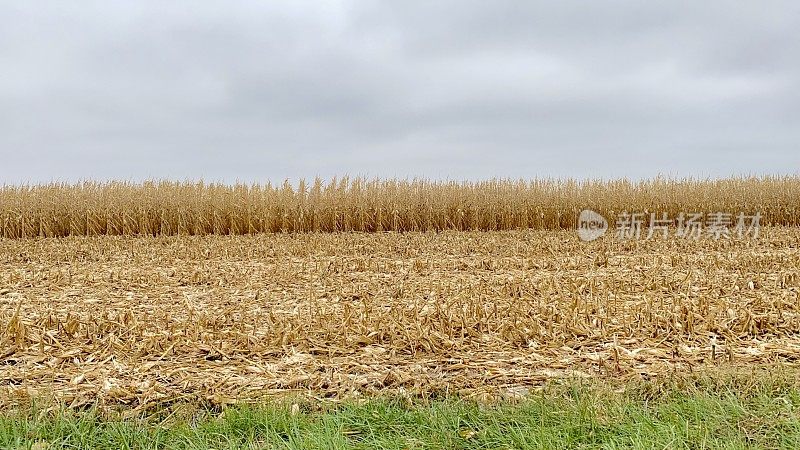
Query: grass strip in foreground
x=715 y=415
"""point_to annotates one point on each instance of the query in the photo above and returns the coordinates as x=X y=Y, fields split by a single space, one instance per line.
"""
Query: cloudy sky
x=259 y=91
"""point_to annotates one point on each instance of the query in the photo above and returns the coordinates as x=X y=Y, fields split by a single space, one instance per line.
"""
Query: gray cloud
x=468 y=89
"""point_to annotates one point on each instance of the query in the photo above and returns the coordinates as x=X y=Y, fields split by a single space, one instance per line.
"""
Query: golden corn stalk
x=160 y=208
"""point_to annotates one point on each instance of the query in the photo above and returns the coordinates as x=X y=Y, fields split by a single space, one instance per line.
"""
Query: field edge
x=743 y=408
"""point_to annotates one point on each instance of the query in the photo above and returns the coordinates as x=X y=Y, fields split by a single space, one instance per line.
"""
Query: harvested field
x=142 y=321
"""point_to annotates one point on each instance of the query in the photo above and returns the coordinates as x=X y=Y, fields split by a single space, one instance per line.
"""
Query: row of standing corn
x=198 y=208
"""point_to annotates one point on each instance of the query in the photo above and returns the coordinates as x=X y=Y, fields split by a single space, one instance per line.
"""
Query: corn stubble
x=173 y=208
x=143 y=321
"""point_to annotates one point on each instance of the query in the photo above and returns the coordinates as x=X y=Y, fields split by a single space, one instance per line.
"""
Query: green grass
x=760 y=414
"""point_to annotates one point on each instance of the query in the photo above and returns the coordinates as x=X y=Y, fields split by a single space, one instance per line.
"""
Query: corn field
x=164 y=208
x=163 y=292
x=142 y=321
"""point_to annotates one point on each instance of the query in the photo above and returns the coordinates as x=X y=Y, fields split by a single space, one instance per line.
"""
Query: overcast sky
x=260 y=91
